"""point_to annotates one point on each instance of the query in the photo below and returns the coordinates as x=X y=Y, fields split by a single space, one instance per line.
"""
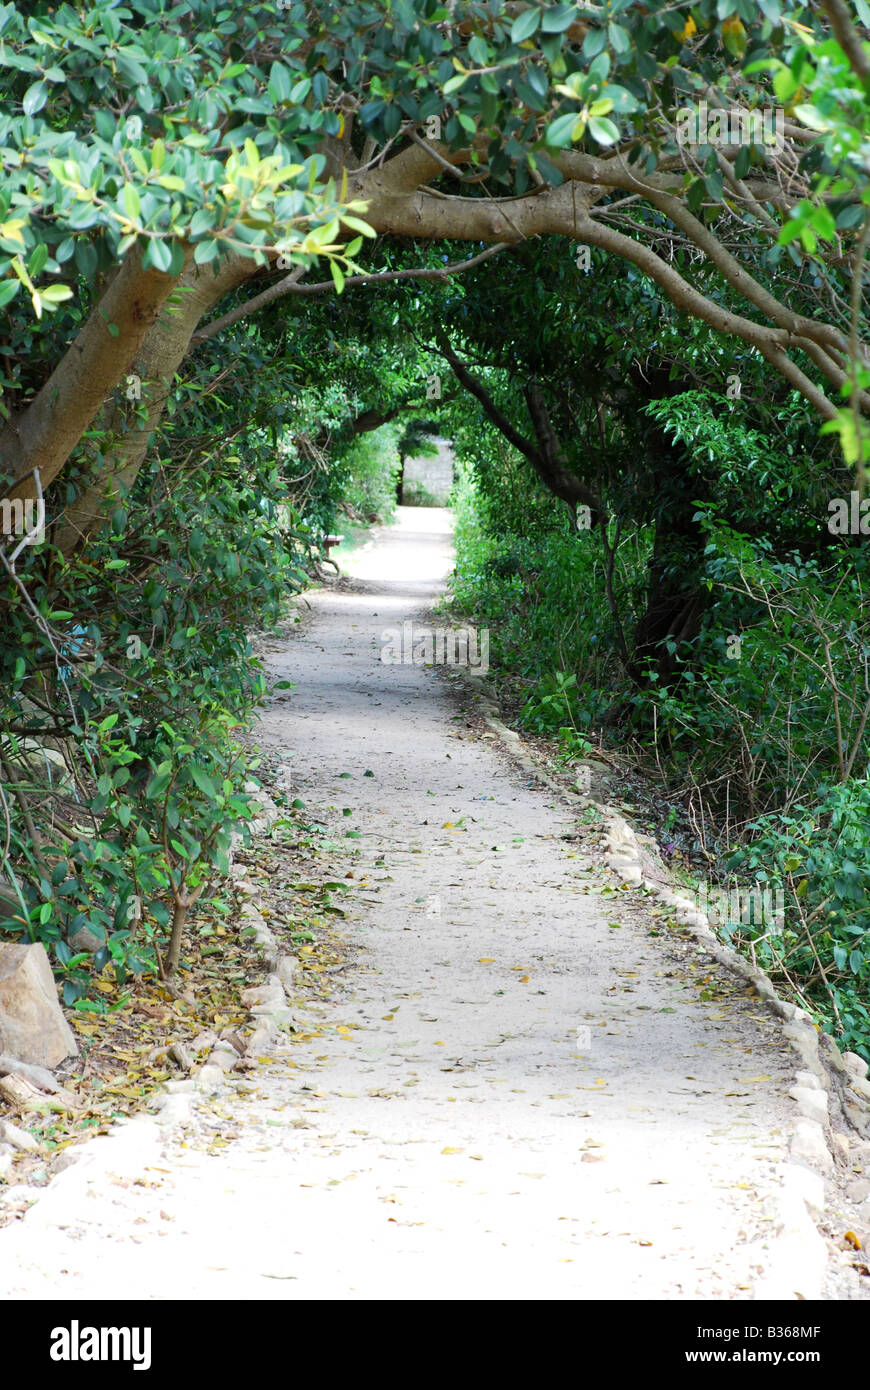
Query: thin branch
x=290 y=285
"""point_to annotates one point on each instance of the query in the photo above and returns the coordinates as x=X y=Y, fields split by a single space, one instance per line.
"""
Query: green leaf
x=623 y=101
x=478 y=51
x=811 y=116
x=557 y=18
x=561 y=132
x=453 y=84
x=603 y=130
x=203 y=781
x=280 y=83
x=56 y=294
x=158 y=255
x=525 y=25
x=619 y=39
x=157 y=785
x=205 y=251
x=35 y=98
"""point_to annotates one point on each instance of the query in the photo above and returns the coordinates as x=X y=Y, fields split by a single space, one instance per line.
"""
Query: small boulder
x=18 y=1138
x=86 y=940
x=32 y=1025
x=286 y=970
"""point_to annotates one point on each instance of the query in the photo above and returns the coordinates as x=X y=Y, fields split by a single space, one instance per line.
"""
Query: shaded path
x=458 y=1138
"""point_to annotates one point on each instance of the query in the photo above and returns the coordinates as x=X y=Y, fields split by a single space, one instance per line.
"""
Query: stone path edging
x=173 y=1105
x=825 y=1074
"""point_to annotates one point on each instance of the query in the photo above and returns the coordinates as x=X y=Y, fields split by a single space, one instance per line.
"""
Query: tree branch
x=290 y=285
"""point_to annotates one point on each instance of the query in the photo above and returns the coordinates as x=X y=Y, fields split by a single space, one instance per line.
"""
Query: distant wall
x=431 y=475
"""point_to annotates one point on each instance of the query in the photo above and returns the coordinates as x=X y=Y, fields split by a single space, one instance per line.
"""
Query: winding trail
x=459 y=1137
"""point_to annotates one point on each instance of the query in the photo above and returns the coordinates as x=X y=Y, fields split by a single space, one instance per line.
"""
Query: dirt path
x=458 y=1137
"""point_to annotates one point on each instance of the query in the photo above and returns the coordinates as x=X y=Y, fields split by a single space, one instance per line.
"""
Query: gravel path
x=517 y=1091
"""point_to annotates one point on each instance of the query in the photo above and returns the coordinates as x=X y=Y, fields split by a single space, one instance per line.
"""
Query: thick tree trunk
x=45 y=434
x=158 y=359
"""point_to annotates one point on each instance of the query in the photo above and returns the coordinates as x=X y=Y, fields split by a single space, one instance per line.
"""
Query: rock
x=278 y=1015
x=209 y=1079
x=38 y=1076
x=21 y=1093
x=10 y=906
x=812 y=1103
x=856 y=1115
x=858 y=1191
x=6 y=1156
x=65 y=1159
x=44 y=764
x=223 y=1057
x=854 y=1065
x=86 y=940
x=175 y=1109
x=179 y=1054
x=262 y=1038
x=32 y=1025
x=19 y=1138
x=861 y=1088
x=204 y=1042
x=231 y=1036
x=286 y=972
x=808 y=1144
x=263 y=996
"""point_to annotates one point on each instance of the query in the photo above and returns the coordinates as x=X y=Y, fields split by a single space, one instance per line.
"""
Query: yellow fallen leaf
x=448 y=1150
x=448 y=825
x=524 y=979
x=486 y=960
x=440 y=1044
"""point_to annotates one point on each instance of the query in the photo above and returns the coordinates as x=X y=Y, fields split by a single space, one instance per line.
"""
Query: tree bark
x=158 y=359
x=45 y=434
